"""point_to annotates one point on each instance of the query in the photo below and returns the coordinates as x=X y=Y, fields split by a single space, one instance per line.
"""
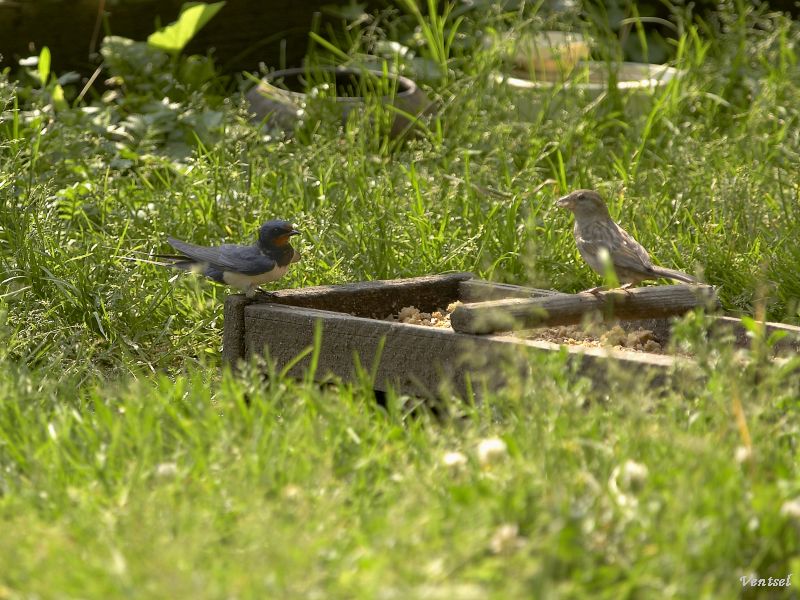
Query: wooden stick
x=568 y=309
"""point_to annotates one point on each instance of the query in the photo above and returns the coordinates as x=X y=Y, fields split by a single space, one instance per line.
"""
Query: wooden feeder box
x=420 y=359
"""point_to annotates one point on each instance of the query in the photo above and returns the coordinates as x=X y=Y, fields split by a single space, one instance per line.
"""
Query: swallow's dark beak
x=294 y=232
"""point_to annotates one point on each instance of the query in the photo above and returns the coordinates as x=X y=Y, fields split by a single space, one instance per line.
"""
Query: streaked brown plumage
x=595 y=231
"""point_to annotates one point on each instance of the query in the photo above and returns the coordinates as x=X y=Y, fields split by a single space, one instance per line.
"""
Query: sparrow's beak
x=564 y=202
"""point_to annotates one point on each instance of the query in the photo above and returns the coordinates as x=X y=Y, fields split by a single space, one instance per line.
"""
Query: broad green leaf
x=58 y=98
x=751 y=325
x=44 y=65
x=194 y=16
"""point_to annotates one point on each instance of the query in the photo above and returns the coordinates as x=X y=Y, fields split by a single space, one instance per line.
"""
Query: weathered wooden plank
x=477 y=290
x=603 y=364
x=416 y=359
x=567 y=309
x=233 y=333
x=375 y=299
x=741 y=336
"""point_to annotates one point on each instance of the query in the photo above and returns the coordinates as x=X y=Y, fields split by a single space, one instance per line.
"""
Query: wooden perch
x=568 y=309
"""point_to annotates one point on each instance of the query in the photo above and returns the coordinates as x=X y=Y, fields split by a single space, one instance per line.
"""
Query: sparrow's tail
x=673 y=274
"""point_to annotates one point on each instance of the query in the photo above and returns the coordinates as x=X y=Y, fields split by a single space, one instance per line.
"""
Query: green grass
x=132 y=465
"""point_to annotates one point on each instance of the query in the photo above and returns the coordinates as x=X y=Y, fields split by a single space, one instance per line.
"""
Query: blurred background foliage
x=275 y=33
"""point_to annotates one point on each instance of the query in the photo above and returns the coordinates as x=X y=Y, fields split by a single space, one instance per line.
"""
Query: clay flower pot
x=283 y=98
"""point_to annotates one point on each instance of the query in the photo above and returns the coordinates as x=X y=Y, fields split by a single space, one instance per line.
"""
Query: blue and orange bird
x=243 y=267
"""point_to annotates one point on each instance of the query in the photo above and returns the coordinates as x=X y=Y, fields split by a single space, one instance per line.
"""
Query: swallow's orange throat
x=282 y=239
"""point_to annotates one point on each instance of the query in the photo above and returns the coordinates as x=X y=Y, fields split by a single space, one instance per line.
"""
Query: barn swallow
x=244 y=267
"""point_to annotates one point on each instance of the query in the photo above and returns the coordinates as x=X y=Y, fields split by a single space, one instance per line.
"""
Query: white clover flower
x=454 y=459
x=491 y=450
x=791 y=509
x=505 y=539
x=627 y=479
x=743 y=454
x=166 y=470
x=633 y=474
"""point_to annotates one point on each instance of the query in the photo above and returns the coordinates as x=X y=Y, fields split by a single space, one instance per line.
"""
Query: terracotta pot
x=282 y=97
